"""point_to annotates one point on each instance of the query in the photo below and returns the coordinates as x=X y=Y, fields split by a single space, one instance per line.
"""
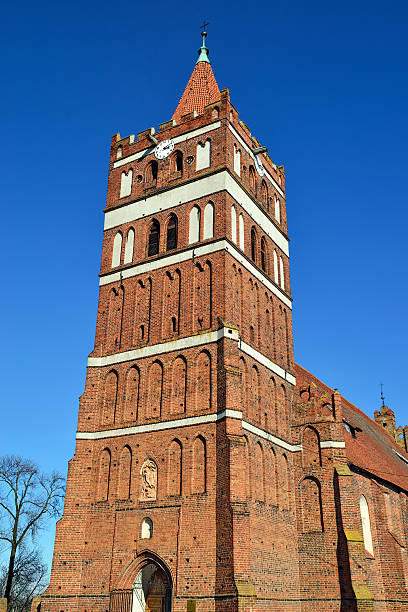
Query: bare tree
x=27 y=499
x=29 y=579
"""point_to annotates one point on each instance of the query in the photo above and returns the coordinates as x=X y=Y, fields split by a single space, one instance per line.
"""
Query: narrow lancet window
x=172 y=228
x=154 y=239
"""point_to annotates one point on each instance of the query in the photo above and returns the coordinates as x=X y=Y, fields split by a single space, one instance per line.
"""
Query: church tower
x=184 y=450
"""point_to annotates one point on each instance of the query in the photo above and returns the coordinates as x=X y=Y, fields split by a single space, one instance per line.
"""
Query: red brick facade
x=211 y=473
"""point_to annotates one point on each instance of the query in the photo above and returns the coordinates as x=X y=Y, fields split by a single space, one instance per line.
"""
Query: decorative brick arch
x=146 y=556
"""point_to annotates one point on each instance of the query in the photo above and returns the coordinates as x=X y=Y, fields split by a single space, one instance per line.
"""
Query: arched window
x=365 y=522
x=194 y=228
x=132 y=390
x=175 y=468
x=244 y=383
x=147 y=529
x=256 y=392
x=208 y=221
x=252 y=177
x=179 y=386
x=241 y=232
x=311 y=505
x=285 y=483
x=264 y=193
x=237 y=160
x=277 y=210
x=253 y=244
x=203 y=382
x=126 y=183
x=275 y=267
x=172 y=230
x=282 y=273
x=125 y=473
x=110 y=398
x=154 y=239
x=177 y=162
x=155 y=390
x=311 y=448
x=259 y=473
x=151 y=172
x=104 y=475
x=233 y=224
x=199 y=479
x=263 y=254
x=129 y=243
x=117 y=250
x=272 y=479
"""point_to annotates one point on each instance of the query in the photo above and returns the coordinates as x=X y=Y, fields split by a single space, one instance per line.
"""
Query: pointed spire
x=202 y=88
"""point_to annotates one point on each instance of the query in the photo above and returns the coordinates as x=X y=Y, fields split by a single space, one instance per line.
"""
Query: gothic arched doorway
x=152 y=590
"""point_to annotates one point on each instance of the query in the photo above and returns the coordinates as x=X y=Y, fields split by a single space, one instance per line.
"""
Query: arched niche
x=146 y=531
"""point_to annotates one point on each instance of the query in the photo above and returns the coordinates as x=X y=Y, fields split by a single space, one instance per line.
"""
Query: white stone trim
x=186 y=343
x=248 y=150
x=187 y=422
x=163 y=425
x=165 y=347
x=332 y=444
x=265 y=361
x=152 y=204
x=267 y=436
x=198 y=420
x=263 y=221
x=202 y=187
x=254 y=271
x=176 y=140
x=404 y=459
x=167 y=260
x=198 y=251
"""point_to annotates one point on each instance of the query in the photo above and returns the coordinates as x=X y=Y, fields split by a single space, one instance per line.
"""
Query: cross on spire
x=203 y=30
x=382 y=393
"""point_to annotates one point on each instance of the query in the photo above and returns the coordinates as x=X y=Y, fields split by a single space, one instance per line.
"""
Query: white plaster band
x=197 y=251
x=177 y=139
x=200 y=188
x=265 y=361
x=165 y=347
x=248 y=150
x=163 y=425
x=187 y=421
x=274 y=367
x=267 y=436
x=332 y=444
x=186 y=343
x=196 y=420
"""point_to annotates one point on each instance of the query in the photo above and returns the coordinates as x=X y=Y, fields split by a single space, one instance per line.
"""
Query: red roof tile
x=202 y=89
x=372 y=450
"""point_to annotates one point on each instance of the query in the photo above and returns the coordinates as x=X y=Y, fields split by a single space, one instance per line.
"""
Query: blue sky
x=323 y=86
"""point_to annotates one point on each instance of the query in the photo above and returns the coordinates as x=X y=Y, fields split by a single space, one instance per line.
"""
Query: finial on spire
x=382 y=394
x=203 y=52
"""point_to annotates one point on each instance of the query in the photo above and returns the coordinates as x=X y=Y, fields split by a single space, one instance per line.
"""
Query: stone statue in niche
x=148 y=472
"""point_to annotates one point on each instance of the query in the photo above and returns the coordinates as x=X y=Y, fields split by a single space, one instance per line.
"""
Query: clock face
x=258 y=165
x=164 y=149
